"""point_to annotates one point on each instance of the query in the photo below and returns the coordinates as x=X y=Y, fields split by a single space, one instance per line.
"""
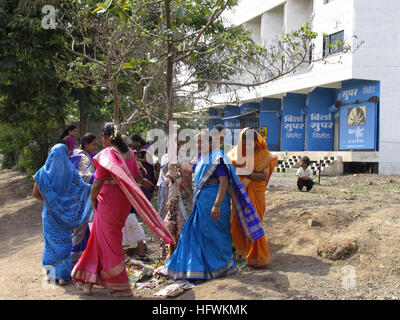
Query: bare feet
x=87 y=288
x=62 y=282
x=121 y=293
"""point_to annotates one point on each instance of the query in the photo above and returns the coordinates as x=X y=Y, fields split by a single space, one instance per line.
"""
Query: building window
x=333 y=43
x=328 y=1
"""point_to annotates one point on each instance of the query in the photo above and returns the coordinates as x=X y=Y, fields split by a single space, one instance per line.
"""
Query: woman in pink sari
x=114 y=191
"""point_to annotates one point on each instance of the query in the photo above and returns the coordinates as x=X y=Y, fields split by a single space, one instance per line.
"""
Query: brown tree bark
x=172 y=218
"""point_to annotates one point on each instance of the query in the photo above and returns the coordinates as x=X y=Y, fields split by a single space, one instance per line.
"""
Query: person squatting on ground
x=304 y=174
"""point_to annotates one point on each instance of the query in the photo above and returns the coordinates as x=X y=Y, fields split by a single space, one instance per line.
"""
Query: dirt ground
x=355 y=219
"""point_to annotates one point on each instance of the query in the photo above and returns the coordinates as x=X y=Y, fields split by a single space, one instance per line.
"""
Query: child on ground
x=304 y=174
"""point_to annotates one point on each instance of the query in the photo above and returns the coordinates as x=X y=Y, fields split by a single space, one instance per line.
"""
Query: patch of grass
x=284 y=175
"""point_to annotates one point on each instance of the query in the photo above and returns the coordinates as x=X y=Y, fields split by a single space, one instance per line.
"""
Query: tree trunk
x=84 y=106
x=116 y=101
x=61 y=126
x=115 y=93
x=172 y=219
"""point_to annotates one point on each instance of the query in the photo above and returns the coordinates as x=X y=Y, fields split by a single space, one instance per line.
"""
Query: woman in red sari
x=114 y=191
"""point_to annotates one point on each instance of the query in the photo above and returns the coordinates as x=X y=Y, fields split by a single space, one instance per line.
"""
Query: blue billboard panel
x=358 y=125
x=271 y=124
x=270 y=104
x=217 y=116
x=353 y=90
x=251 y=123
x=358 y=117
x=231 y=125
x=249 y=106
x=320 y=121
x=293 y=122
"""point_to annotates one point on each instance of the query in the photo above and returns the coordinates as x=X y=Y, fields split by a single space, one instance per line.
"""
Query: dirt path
x=362 y=210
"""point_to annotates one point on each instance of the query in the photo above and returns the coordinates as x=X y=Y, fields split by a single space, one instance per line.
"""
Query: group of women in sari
x=226 y=218
x=227 y=212
x=68 y=202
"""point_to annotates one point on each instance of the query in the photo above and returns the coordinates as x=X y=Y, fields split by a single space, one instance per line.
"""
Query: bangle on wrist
x=217 y=204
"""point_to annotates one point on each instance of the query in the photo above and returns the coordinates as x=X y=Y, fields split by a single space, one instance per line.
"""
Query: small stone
x=363 y=258
x=301 y=213
x=313 y=223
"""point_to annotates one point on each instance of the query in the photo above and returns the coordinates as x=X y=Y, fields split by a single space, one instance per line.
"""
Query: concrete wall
x=378 y=24
x=272 y=25
x=254 y=26
x=249 y=9
x=297 y=12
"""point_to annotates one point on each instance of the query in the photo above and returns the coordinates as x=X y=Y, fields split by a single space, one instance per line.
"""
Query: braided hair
x=111 y=130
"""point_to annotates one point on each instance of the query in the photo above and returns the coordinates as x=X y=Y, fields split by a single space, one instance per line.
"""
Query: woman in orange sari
x=254 y=177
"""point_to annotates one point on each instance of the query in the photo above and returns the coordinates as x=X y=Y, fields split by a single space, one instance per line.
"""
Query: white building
x=298 y=111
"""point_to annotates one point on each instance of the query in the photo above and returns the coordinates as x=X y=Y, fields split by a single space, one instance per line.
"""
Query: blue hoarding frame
x=359 y=93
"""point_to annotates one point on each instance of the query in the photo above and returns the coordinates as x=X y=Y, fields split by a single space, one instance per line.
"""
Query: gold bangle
x=217 y=204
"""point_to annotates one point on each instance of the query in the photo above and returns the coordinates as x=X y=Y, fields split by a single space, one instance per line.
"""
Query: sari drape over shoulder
x=66 y=206
x=255 y=253
x=112 y=161
x=103 y=261
x=82 y=161
x=204 y=249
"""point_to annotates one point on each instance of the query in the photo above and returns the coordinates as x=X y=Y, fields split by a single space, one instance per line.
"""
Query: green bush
x=29 y=160
x=11 y=145
x=19 y=150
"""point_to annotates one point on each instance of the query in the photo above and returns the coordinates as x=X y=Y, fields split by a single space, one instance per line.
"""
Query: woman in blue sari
x=205 y=248
x=66 y=206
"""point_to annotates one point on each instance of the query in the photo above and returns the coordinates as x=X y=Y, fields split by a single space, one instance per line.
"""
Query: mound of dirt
x=337 y=249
